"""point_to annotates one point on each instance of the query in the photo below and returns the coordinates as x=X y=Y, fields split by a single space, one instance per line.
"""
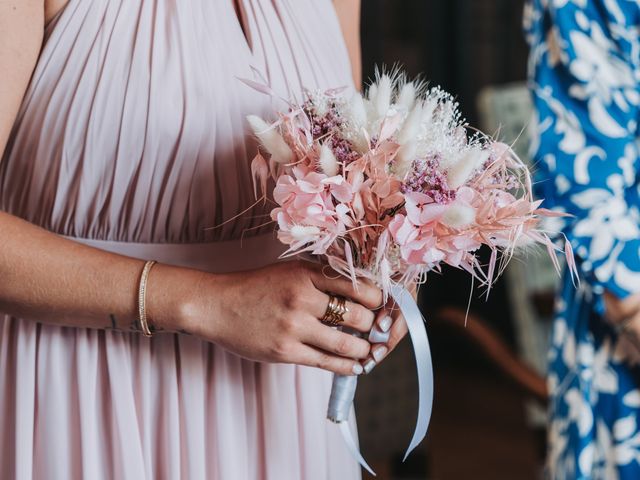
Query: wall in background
x=462 y=45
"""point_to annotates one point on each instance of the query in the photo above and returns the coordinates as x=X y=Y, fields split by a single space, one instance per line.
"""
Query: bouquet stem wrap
x=344 y=387
x=343 y=390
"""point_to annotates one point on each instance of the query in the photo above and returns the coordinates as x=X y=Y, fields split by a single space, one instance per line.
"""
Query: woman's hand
x=624 y=314
x=273 y=315
x=389 y=328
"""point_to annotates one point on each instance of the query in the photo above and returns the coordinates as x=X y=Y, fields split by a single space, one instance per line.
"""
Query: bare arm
x=46 y=277
x=269 y=314
x=41 y=274
x=349 y=16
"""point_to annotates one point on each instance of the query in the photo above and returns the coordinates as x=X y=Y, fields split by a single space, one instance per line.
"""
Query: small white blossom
x=271 y=140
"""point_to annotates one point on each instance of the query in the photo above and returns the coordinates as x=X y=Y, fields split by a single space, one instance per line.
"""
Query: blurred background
x=489 y=409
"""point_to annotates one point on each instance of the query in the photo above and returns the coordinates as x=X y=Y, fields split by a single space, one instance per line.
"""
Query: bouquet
x=389 y=186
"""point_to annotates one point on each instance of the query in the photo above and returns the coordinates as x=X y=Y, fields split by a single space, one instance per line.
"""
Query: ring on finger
x=334 y=314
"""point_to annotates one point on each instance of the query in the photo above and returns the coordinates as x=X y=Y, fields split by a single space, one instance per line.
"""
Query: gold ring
x=334 y=315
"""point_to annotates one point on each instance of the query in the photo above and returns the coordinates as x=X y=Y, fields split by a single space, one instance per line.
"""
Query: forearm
x=48 y=278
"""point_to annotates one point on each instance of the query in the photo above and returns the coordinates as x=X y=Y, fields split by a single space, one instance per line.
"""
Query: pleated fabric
x=132 y=131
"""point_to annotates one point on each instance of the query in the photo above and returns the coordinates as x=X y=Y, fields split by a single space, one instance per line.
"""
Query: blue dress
x=585 y=69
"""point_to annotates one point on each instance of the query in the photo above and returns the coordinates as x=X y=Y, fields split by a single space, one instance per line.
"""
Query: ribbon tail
x=345 y=430
x=420 y=342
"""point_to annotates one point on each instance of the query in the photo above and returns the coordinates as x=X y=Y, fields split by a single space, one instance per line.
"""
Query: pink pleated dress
x=132 y=138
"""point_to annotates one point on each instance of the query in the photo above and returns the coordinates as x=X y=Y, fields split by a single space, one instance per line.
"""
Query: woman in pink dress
x=123 y=130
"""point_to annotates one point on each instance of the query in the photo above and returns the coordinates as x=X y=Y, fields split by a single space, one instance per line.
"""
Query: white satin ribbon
x=420 y=342
x=345 y=430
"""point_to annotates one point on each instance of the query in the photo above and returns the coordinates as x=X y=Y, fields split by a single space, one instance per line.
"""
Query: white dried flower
x=404 y=158
x=383 y=95
x=357 y=110
x=271 y=140
x=458 y=216
x=411 y=126
x=372 y=91
x=459 y=170
x=328 y=163
x=428 y=109
x=407 y=96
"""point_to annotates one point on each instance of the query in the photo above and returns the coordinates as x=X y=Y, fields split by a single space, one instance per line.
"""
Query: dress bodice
x=133 y=127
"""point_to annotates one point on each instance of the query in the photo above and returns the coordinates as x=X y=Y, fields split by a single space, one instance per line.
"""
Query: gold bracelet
x=142 y=299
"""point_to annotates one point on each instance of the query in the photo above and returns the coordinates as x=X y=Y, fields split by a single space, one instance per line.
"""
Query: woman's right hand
x=273 y=315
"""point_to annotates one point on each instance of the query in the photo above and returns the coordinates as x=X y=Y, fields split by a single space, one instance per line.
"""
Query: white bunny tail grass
x=384 y=93
x=328 y=163
x=404 y=158
x=357 y=118
x=459 y=216
x=409 y=91
x=357 y=110
x=411 y=126
x=463 y=167
x=372 y=91
x=407 y=96
x=271 y=140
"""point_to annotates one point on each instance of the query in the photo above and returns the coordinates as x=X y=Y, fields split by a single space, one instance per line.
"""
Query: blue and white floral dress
x=585 y=74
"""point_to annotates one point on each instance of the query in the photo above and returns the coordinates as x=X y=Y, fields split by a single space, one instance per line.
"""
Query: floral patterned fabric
x=585 y=68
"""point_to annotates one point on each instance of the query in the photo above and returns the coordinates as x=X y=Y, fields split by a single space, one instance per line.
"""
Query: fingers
x=376 y=335
x=314 y=357
x=336 y=342
x=366 y=294
x=378 y=353
x=357 y=317
x=390 y=324
x=398 y=331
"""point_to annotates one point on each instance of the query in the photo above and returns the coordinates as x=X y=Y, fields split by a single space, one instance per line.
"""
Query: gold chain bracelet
x=142 y=299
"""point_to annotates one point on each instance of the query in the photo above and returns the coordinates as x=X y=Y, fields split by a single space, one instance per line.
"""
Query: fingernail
x=377 y=336
x=385 y=323
x=380 y=352
x=369 y=365
x=357 y=369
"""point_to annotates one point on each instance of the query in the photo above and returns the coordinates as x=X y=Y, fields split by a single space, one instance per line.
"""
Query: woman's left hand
x=389 y=328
